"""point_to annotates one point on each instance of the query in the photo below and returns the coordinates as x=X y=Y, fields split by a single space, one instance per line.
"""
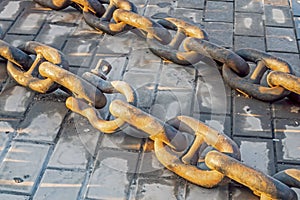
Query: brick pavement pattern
x=47 y=152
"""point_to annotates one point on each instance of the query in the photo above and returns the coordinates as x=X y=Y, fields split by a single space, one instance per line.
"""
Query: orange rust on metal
x=152 y=28
x=147 y=123
x=191 y=173
x=81 y=88
x=260 y=183
x=93 y=115
x=203 y=135
x=287 y=81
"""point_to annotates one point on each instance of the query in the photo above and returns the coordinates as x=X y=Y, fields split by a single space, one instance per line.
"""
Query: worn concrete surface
x=47 y=152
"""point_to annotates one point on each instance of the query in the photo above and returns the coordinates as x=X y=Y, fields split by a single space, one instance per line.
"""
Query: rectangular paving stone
x=157 y=11
x=219 y=11
x=277 y=2
x=295 y=5
x=9 y=10
x=13 y=197
x=144 y=84
x=60 y=185
x=281 y=167
x=176 y=77
x=220 y=33
x=17 y=40
x=29 y=23
x=212 y=95
x=249 y=6
x=80 y=52
x=281 y=39
x=243 y=193
x=69 y=16
x=76 y=145
x=286 y=109
x=143 y=60
x=249 y=24
x=55 y=35
x=257 y=153
x=249 y=42
x=251 y=118
x=43 y=121
x=22 y=166
x=297 y=26
x=169 y=104
x=14 y=100
x=5 y=25
x=278 y=16
x=112 y=174
x=287 y=137
x=189 y=15
x=218 y=193
x=194 y=4
x=7 y=131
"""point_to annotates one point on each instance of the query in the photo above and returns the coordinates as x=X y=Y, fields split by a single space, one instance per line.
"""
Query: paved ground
x=47 y=152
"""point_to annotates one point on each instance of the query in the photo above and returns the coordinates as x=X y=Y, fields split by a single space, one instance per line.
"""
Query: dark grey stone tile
x=219 y=11
x=194 y=4
x=287 y=137
x=220 y=33
x=249 y=6
x=281 y=39
x=278 y=16
x=251 y=117
x=249 y=42
x=295 y=5
x=249 y=24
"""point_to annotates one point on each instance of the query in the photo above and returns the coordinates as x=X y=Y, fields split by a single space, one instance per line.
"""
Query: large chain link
x=38 y=67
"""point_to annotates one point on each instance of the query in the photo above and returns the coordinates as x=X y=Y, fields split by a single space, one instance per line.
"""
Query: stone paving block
x=212 y=94
x=156 y=189
x=292 y=58
x=281 y=39
x=249 y=42
x=14 y=100
x=29 y=23
x=249 y=6
x=43 y=121
x=169 y=104
x=150 y=167
x=7 y=131
x=220 y=123
x=281 y=167
x=83 y=30
x=144 y=84
x=143 y=60
x=278 y=16
x=75 y=146
x=17 y=40
x=243 y=193
x=175 y=77
x=13 y=197
x=68 y=15
x=4 y=26
x=59 y=185
x=286 y=108
x=257 y=153
x=249 y=24
x=218 y=193
x=219 y=11
x=251 y=118
x=297 y=26
x=158 y=11
x=189 y=15
x=220 y=33
x=287 y=137
x=22 y=166
x=277 y=2
x=10 y=10
x=112 y=175
x=194 y=4
x=295 y=5
x=54 y=35
x=80 y=52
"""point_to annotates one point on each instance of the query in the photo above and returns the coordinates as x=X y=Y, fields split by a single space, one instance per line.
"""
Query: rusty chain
x=44 y=69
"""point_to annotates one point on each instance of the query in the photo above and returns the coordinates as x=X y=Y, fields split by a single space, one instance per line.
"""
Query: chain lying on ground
x=44 y=69
x=121 y=15
x=190 y=161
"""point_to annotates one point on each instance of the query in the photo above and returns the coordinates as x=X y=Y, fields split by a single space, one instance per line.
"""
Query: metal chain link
x=189 y=161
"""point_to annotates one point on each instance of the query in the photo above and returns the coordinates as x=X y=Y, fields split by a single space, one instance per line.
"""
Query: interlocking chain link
x=191 y=161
